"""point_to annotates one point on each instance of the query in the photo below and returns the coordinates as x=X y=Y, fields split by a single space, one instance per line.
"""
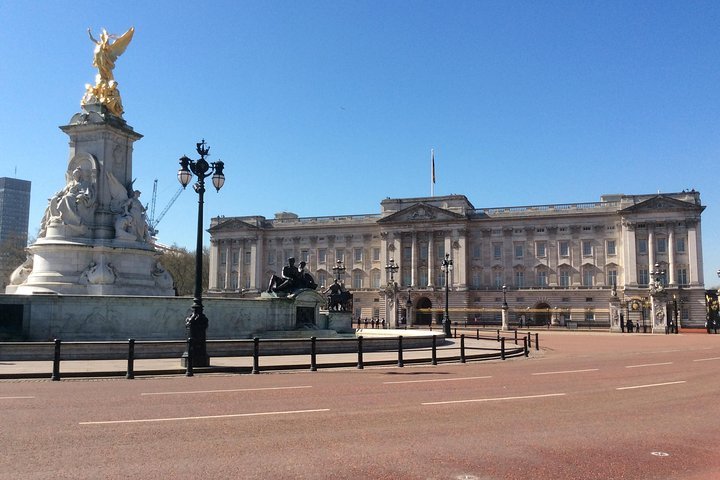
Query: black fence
x=257 y=348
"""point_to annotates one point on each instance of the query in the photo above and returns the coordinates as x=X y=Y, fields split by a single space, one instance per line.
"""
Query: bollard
x=434 y=351
x=400 y=352
x=56 y=361
x=537 y=341
x=455 y=333
x=477 y=334
x=516 y=336
x=498 y=335
x=256 y=356
x=313 y=354
x=462 y=348
x=360 y=364
x=502 y=348
x=188 y=363
x=529 y=338
x=131 y=359
x=525 y=346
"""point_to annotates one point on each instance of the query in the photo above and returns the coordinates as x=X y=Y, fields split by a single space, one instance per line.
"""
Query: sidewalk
x=172 y=366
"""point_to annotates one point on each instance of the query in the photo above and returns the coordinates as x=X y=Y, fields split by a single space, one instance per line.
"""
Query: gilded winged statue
x=106 y=53
x=105 y=90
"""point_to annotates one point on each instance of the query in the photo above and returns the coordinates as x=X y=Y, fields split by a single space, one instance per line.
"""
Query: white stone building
x=558 y=262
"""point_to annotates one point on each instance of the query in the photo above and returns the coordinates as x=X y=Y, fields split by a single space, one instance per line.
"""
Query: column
x=629 y=254
x=228 y=264
x=460 y=263
x=671 y=257
x=254 y=267
x=414 y=261
x=694 y=254
x=213 y=265
x=651 y=251
x=431 y=259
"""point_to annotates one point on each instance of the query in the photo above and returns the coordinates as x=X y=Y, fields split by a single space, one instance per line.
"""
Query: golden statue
x=105 y=90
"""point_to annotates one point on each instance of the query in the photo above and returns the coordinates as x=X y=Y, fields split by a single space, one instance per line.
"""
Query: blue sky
x=324 y=108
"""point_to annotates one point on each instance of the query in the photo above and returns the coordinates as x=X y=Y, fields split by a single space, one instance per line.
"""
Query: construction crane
x=152 y=220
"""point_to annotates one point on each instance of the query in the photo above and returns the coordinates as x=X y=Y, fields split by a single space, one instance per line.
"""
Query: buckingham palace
x=557 y=264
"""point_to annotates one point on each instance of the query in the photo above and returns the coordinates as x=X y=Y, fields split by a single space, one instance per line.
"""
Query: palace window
x=321 y=255
x=376 y=254
x=542 y=280
x=340 y=255
x=498 y=282
x=271 y=257
x=587 y=248
x=519 y=279
x=661 y=244
x=680 y=245
x=375 y=279
x=643 y=276
x=564 y=278
x=564 y=248
x=358 y=255
x=476 y=252
x=497 y=251
x=540 y=250
x=588 y=277
x=611 y=250
x=357 y=280
x=304 y=256
x=642 y=246
x=682 y=276
x=248 y=257
x=612 y=277
x=519 y=250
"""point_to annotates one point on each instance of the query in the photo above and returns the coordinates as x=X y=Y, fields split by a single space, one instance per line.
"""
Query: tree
x=181 y=264
x=12 y=255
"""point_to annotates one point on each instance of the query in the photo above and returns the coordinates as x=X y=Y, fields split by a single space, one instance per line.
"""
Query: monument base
x=105 y=267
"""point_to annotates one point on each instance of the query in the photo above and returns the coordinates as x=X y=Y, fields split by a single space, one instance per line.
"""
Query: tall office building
x=14 y=216
x=561 y=264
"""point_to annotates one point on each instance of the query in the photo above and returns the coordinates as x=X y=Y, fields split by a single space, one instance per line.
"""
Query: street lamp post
x=391 y=268
x=447 y=266
x=504 y=309
x=408 y=307
x=197 y=323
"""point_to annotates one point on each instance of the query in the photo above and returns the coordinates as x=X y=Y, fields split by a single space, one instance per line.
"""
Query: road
x=587 y=406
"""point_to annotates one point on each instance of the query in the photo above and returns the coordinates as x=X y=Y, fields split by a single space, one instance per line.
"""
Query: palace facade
x=560 y=264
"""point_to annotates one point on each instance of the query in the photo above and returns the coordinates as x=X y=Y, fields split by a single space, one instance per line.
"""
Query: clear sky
x=324 y=108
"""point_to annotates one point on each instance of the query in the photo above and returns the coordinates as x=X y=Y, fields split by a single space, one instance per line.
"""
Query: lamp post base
x=196 y=349
x=446 y=327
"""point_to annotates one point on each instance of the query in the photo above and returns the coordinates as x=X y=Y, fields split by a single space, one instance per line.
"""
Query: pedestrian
x=629 y=326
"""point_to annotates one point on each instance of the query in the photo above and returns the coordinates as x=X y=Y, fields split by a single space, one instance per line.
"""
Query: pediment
x=232 y=225
x=662 y=202
x=422 y=213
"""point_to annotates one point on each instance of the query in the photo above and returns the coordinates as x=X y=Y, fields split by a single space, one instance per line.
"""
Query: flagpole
x=432 y=172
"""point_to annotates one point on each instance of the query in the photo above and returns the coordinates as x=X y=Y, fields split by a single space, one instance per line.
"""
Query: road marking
x=648 y=365
x=566 y=371
x=650 y=385
x=706 y=359
x=437 y=380
x=205 y=417
x=15 y=398
x=495 y=399
x=660 y=454
x=227 y=391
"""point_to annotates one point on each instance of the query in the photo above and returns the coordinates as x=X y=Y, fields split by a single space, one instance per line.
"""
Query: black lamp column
x=197 y=323
x=447 y=266
x=391 y=268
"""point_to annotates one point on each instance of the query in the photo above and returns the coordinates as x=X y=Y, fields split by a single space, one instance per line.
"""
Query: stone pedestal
x=505 y=326
x=94 y=237
x=615 y=311
x=659 y=312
